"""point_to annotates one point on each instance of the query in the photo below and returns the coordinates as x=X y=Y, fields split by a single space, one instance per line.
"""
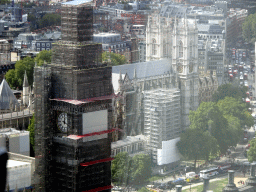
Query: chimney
x=178 y=188
x=252 y=179
x=230 y=187
x=206 y=184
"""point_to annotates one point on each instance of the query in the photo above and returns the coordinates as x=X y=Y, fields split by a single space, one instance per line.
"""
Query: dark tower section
x=73 y=140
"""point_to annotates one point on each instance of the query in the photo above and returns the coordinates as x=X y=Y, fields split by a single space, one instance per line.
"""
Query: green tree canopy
x=251 y=154
x=43 y=56
x=208 y=117
x=127 y=170
x=120 y=168
x=196 y=144
x=32 y=132
x=229 y=90
x=249 y=28
x=233 y=107
x=115 y=58
x=11 y=79
x=140 y=168
x=49 y=20
x=15 y=76
x=3 y=2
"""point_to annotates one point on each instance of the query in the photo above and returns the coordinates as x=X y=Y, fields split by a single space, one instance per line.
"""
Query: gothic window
x=164 y=47
x=180 y=49
x=180 y=68
x=191 y=67
x=191 y=49
x=154 y=47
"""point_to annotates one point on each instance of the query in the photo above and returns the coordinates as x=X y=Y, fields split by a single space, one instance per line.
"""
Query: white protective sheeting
x=18 y=174
x=169 y=152
x=95 y=122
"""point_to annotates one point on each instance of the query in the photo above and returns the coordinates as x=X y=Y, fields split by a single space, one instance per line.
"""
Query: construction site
x=162 y=124
x=73 y=111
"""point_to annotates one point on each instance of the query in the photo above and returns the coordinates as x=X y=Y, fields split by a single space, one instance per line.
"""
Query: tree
x=31 y=128
x=11 y=79
x=3 y=2
x=49 y=20
x=33 y=22
x=249 y=28
x=120 y=168
x=15 y=76
x=140 y=168
x=43 y=56
x=229 y=90
x=208 y=117
x=195 y=144
x=115 y=58
x=251 y=154
x=233 y=107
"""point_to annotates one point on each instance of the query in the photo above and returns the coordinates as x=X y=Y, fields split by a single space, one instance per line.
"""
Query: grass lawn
x=215 y=186
x=157 y=177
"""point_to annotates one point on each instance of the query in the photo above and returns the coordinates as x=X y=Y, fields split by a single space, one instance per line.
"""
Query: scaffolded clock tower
x=73 y=97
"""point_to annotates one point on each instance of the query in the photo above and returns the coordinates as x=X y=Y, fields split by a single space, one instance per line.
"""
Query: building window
x=38 y=44
x=191 y=50
x=180 y=49
x=154 y=48
x=164 y=48
x=47 y=44
x=43 y=44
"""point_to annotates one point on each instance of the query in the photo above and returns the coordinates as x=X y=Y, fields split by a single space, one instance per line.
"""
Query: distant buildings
x=15 y=141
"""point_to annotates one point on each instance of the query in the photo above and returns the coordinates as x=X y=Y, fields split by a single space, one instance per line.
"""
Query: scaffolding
x=42 y=84
x=75 y=83
x=162 y=117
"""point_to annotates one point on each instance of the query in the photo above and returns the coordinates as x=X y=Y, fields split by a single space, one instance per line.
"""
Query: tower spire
x=25 y=81
x=135 y=74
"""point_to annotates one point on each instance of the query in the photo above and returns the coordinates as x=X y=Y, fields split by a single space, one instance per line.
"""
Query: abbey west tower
x=177 y=39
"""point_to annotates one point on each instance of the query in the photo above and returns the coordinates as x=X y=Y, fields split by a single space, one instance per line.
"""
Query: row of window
x=42 y=49
x=135 y=147
x=43 y=44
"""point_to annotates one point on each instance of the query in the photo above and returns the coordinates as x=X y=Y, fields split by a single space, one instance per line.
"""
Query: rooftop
x=12 y=163
x=76 y=2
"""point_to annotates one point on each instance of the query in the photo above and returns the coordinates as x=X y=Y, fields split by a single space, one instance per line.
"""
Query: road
x=237 y=155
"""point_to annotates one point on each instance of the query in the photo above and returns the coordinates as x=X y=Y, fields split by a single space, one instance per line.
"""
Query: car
x=241 y=73
x=241 y=77
x=214 y=173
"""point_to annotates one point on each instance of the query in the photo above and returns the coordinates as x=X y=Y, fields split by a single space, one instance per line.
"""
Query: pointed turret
x=25 y=92
x=135 y=74
x=120 y=81
x=25 y=81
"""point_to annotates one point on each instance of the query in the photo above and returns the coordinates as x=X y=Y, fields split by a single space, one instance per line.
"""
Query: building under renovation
x=73 y=110
x=162 y=124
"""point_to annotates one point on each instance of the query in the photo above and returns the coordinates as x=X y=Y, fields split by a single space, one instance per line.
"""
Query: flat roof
x=76 y=2
x=13 y=163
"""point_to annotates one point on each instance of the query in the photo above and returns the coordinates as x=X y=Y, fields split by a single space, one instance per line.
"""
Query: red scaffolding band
x=98 y=133
x=97 y=161
x=100 y=189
